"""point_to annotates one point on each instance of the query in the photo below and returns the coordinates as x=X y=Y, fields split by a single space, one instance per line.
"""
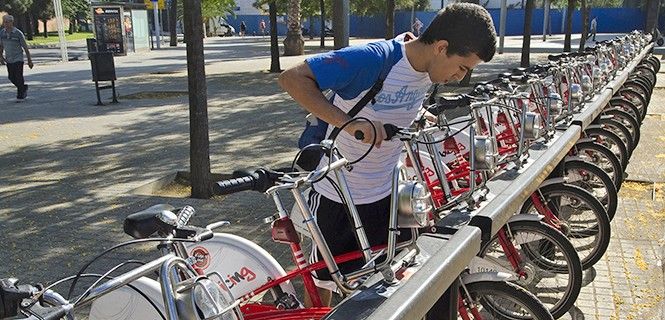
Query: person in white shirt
x=444 y=52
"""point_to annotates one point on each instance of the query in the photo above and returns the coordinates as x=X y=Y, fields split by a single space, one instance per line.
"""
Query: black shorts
x=335 y=225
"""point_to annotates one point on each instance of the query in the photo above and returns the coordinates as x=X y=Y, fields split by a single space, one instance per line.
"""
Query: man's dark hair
x=467 y=27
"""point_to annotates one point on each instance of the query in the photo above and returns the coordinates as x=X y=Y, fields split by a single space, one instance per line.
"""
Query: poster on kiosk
x=109 y=29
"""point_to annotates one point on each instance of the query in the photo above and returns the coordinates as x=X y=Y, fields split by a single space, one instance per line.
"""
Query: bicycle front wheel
x=584 y=219
x=550 y=267
x=502 y=300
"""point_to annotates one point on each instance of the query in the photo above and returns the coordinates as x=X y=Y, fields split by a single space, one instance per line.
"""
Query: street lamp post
x=57 y=6
x=155 y=11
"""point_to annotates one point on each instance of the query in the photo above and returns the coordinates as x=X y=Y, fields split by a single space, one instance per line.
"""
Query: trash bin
x=92 y=45
x=103 y=67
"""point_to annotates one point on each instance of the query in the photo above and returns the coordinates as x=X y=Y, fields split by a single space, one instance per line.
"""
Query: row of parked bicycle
x=530 y=269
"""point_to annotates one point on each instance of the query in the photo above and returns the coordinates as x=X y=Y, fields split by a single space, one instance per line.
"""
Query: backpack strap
x=388 y=63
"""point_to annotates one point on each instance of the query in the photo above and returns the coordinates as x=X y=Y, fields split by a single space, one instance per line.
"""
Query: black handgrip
x=391 y=131
x=236 y=185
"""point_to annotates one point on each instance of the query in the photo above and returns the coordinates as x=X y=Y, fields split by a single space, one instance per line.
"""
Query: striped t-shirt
x=398 y=102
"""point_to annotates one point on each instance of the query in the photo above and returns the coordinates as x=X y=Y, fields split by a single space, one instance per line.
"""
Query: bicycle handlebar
x=261 y=180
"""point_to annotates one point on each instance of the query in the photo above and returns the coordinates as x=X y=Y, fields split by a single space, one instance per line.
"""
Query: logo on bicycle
x=244 y=274
x=202 y=257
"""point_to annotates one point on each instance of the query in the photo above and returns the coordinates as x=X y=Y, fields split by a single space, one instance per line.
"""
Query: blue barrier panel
x=610 y=20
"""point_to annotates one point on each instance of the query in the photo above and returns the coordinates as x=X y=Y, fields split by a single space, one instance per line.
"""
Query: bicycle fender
x=485 y=276
x=525 y=217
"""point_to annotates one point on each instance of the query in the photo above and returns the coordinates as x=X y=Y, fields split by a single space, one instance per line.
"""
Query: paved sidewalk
x=68 y=166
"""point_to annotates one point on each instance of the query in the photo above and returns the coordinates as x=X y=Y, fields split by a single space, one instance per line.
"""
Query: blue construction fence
x=610 y=20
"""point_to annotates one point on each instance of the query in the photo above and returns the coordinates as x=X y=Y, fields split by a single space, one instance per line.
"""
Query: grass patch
x=53 y=38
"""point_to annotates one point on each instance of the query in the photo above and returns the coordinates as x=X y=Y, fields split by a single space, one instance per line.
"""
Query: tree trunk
x=390 y=19
x=199 y=149
x=30 y=26
x=526 y=38
x=652 y=8
x=322 y=6
x=71 y=27
x=294 y=44
x=311 y=27
x=274 y=43
x=173 y=15
x=35 y=25
x=585 y=24
x=569 y=25
x=45 y=28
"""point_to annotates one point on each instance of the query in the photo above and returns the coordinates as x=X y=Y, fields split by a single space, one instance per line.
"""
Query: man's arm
x=2 y=53
x=300 y=83
x=24 y=45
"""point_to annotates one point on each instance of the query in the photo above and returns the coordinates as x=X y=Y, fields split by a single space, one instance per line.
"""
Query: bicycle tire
x=628 y=121
x=613 y=164
x=480 y=291
x=637 y=99
x=610 y=200
x=642 y=83
x=611 y=141
x=653 y=63
x=621 y=130
x=601 y=230
x=624 y=103
x=537 y=260
x=647 y=74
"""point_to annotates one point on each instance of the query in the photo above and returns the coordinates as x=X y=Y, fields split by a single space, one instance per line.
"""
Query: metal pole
x=57 y=6
x=155 y=11
x=502 y=24
x=546 y=19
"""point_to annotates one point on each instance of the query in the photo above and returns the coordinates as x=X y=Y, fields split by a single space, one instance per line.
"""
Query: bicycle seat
x=145 y=223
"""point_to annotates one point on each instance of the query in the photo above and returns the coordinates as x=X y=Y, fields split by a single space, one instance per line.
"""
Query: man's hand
x=30 y=64
x=368 y=131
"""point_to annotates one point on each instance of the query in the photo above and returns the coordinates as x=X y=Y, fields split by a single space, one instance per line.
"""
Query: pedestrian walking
x=262 y=27
x=243 y=28
x=417 y=25
x=12 y=45
x=592 y=29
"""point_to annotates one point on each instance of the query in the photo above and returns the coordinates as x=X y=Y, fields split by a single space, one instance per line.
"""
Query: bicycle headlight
x=597 y=75
x=413 y=204
x=484 y=152
x=587 y=84
x=576 y=92
x=211 y=301
x=556 y=104
x=532 y=126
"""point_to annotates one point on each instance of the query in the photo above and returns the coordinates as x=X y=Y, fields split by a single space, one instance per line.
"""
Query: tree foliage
x=15 y=6
x=216 y=8
x=310 y=8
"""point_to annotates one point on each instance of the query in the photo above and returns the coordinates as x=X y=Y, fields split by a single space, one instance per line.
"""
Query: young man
x=12 y=42
x=459 y=38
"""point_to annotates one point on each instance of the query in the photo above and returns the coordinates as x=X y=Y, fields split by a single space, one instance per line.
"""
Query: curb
x=55 y=45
